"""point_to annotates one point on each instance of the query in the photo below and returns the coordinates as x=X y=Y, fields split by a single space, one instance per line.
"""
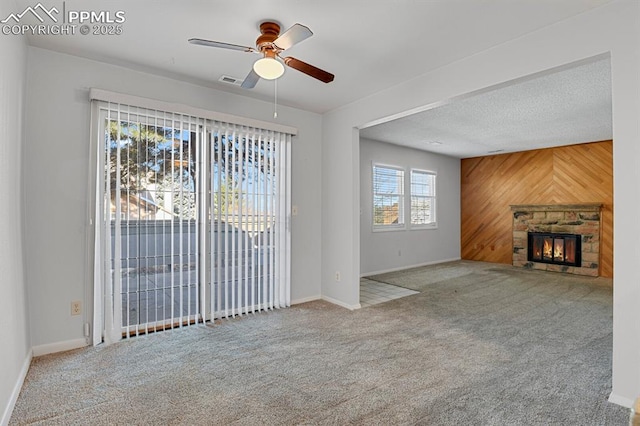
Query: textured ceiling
x=562 y=108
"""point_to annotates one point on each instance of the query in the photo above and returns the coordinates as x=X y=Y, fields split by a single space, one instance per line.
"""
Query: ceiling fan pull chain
x=275 y=98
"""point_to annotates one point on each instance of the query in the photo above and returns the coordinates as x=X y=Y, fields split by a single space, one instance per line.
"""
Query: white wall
x=15 y=349
x=57 y=182
x=397 y=249
x=613 y=28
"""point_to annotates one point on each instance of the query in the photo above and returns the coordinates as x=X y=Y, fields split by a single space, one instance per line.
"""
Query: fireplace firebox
x=558 y=249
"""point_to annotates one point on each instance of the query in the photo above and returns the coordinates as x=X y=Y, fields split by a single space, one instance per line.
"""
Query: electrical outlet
x=399 y=252
x=294 y=210
x=76 y=307
x=337 y=275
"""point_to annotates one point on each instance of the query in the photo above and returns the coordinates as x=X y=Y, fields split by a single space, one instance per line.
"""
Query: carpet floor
x=481 y=344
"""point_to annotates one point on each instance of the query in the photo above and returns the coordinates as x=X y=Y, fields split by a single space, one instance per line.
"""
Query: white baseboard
x=6 y=415
x=339 y=303
x=51 y=348
x=621 y=400
x=306 y=299
x=400 y=268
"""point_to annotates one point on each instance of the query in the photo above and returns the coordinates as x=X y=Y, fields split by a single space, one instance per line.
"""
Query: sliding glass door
x=191 y=220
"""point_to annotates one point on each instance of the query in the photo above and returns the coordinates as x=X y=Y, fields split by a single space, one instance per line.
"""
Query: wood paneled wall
x=571 y=174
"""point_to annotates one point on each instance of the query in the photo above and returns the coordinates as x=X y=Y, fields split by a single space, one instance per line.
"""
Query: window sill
x=423 y=227
x=389 y=228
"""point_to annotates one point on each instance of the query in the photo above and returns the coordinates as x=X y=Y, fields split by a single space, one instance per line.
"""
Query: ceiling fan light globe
x=268 y=68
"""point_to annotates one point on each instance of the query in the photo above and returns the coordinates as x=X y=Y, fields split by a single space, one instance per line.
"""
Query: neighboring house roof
x=134 y=205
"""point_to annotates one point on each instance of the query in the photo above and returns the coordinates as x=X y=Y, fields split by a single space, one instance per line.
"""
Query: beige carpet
x=481 y=344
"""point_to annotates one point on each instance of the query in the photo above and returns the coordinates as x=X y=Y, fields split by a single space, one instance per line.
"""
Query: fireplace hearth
x=554 y=248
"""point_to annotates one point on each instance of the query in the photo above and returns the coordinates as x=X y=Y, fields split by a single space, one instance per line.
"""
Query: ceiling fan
x=270 y=44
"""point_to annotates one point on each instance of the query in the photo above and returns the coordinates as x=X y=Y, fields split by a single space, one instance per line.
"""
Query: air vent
x=230 y=80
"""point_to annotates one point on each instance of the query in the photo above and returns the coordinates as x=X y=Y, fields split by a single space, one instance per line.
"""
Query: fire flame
x=556 y=249
x=557 y=253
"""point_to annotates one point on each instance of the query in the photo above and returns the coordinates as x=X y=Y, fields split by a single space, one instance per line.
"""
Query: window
x=388 y=197
x=423 y=198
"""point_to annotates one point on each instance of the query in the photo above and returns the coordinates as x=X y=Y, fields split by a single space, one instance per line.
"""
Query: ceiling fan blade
x=293 y=35
x=210 y=43
x=310 y=70
x=250 y=80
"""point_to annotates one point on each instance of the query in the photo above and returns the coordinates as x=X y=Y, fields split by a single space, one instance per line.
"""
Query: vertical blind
x=249 y=247
x=191 y=219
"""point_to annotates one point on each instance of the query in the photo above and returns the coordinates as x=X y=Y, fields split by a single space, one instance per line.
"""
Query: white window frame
x=401 y=225
x=433 y=197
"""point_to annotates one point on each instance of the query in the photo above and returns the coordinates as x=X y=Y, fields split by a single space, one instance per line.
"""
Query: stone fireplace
x=557 y=237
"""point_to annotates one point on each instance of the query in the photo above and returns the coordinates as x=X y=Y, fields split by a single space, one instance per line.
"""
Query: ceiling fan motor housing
x=269 y=32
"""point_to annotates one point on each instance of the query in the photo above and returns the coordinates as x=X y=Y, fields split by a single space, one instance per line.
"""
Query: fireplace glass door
x=562 y=249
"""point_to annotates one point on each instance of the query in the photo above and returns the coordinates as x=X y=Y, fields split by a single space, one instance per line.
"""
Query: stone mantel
x=591 y=207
